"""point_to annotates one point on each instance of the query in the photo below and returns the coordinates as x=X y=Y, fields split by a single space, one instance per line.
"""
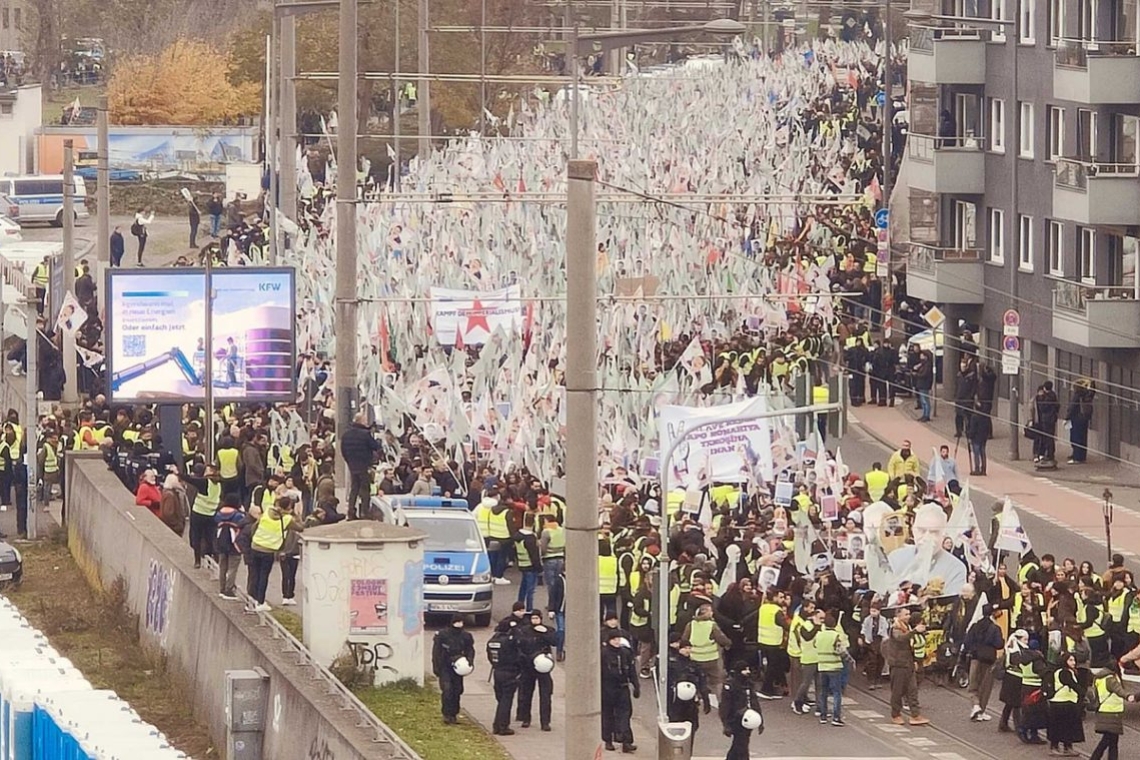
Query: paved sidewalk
x=1098 y=469
x=1040 y=494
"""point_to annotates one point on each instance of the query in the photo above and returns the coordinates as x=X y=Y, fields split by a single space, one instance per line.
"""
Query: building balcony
x=947 y=55
x=1092 y=193
x=947 y=164
x=1096 y=316
x=945 y=275
x=1095 y=72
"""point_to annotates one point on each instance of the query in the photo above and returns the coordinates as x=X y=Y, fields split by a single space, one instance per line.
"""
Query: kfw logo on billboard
x=267 y=286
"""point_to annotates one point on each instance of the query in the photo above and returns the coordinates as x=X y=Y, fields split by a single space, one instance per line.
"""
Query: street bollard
x=675 y=741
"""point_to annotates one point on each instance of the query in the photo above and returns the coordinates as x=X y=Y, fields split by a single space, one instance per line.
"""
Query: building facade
x=1023 y=180
x=15 y=19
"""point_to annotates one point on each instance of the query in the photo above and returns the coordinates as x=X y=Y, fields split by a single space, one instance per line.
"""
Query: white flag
x=1011 y=536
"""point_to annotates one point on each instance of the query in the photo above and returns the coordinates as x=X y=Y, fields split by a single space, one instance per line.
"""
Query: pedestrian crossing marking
x=919 y=741
x=865 y=714
x=891 y=728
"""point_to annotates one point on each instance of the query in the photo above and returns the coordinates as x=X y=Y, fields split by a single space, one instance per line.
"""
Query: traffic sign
x=1011 y=318
x=1010 y=363
x=882 y=218
x=1011 y=344
x=934 y=317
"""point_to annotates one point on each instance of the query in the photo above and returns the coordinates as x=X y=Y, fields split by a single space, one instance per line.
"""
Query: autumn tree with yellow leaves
x=187 y=84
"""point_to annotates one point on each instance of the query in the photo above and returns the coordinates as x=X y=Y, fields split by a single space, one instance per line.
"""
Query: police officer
x=452 y=657
x=619 y=678
x=537 y=643
x=506 y=668
x=738 y=700
x=683 y=699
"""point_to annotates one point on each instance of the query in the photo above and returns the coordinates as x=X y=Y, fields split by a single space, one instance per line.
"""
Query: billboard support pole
x=103 y=190
x=208 y=432
x=70 y=366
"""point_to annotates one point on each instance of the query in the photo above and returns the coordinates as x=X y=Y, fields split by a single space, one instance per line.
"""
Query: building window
x=1086 y=255
x=1027 y=22
x=6 y=110
x=997 y=125
x=1086 y=19
x=1055 y=247
x=1056 y=11
x=1025 y=133
x=997 y=236
x=997 y=13
x=1025 y=244
x=4 y=17
x=1055 y=128
x=17 y=19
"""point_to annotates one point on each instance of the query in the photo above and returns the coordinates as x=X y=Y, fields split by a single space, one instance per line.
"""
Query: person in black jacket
x=884 y=360
x=534 y=640
x=556 y=612
x=619 y=678
x=1079 y=417
x=449 y=645
x=506 y=669
x=195 y=220
x=118 y=247
x=982 y=644
x=357 y=447
x=1047 y=408
x=681 y=670
x=737 y=697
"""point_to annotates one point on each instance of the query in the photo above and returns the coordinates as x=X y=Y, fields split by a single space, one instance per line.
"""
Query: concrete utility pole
x=103 y=189
x=583 y=654
x=423 y=105
x=70 y=384
x=287 y=186
x=271 y=134
x=397 y=97
x=31 y=411
x=887 y=294
x=1013 y=255
x=346 y=389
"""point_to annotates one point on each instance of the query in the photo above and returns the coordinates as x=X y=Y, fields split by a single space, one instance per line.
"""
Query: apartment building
x=1023 y=174
x=15 y=20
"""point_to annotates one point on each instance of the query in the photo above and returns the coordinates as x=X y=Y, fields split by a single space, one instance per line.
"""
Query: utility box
x=675 y=741
x=363 y=597
x=247 y=701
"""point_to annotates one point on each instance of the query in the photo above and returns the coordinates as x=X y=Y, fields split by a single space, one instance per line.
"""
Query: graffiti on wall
x=159 y=597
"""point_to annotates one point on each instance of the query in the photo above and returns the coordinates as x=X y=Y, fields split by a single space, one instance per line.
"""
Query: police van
x=39 y=198
x=457 y=570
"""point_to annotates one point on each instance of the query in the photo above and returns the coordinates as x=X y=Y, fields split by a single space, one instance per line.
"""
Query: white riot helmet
x=751 y=720
x=686 y=691
x=543 y=663
x=462 y=667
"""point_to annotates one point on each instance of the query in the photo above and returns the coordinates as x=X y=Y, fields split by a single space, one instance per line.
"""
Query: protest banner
x=729 y=452
x=470 y=317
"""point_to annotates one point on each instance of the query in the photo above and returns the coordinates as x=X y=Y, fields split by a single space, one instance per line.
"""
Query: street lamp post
x=1106 y=510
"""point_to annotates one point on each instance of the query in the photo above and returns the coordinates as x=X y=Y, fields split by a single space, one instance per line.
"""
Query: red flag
x=385 y=343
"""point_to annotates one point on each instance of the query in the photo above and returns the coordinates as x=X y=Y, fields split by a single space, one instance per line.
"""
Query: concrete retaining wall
x=201 y=635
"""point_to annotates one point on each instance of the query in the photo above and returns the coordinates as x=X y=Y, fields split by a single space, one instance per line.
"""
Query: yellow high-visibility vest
x=483 y=519
x=877 y=482
x=227 y=463
x=556 y=545
x=497 y=525
x=1109 y=703
x=51 y=459
x=79 y=436
x=1029 y=677
x=270 y=533
x=1061 y=692
x=207 y=503
x=705 y=648
x=794 y=649
x=40 y=276
x=809 y=655
x=1093 y=631
x=522 y=555
x=827 y=649
x=1116 y=607
x=769 y=632
x=607 y=574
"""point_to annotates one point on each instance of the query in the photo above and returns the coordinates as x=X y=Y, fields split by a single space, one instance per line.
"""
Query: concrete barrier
x=200 y=635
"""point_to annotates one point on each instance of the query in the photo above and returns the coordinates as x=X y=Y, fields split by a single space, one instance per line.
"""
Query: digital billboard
x=156 y=334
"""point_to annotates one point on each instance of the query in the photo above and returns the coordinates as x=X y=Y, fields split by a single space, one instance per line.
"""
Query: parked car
x=11 y=565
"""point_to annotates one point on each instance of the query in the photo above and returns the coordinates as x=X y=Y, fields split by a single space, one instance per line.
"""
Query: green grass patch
x=291 y=622
x=412 y=711
x=56 y=100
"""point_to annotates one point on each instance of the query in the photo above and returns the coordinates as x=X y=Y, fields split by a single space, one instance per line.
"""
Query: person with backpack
x=1066 y=708
x=290 y=553
x=139 y=230
x=536 y=644
x=504 y=652
x=228 y=523
x=452 y=657
x=982 y=644
x=1108 y=695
